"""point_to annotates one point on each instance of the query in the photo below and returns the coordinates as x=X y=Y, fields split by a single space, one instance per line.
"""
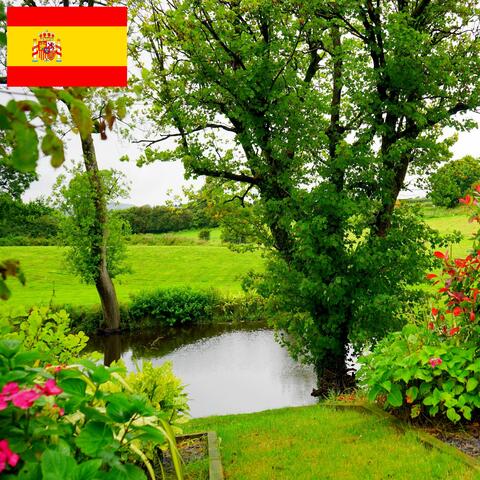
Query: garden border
x=215 y=467
x=423 y=437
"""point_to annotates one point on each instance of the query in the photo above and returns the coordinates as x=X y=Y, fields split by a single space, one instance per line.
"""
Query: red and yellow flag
x=67 y=46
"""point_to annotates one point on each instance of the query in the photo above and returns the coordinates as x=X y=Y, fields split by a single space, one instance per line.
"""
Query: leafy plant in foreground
x=434 y=368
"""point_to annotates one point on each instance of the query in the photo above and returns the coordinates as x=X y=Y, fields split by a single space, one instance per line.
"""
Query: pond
x=225 y=369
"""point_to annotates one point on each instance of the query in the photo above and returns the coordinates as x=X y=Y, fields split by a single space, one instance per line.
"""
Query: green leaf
x=87 y=470
x=453 y=415
x=472 y=384
x=94 y=438
x=126 y=472
x=73 y=386
x=100 y=374
x=412 y=393
x=53 y=146
x=373 y=393
x=395 y=398
x=9 y=347
x=81 y=117
x=56 y=465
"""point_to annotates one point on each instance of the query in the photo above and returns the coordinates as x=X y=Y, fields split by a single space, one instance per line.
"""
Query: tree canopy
x=321 y=109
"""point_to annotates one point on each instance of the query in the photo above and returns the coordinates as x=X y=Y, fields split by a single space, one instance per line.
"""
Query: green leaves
x=56 y=465
x=53 y=146
x=395 y=397
x=472 y=384
x=95 y=438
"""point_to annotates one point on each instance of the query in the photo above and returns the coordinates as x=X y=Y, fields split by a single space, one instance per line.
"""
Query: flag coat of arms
x=67 y=46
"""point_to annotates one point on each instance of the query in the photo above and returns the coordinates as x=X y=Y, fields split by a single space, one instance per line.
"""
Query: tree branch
x=237 y=177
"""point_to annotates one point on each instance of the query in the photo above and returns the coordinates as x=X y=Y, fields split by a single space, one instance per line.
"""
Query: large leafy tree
x=321 y=108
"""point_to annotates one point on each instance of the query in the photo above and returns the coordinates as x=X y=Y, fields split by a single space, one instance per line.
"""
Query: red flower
x=457 y=311
x=472 y=316
x=429 y=276
x=453 y=331
x=434 y=311
x=431 y=326
x=440 y=254
x=466 y=200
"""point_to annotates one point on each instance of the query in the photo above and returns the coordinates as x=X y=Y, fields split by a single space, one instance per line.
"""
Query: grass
x=209 y=265
x=152 y=267
x=319 y=443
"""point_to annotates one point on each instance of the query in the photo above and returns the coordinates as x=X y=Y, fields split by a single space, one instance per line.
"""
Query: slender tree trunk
x=103 y=282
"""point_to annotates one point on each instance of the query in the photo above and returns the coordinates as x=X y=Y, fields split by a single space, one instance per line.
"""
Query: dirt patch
x=465 y=437
x=191 y=450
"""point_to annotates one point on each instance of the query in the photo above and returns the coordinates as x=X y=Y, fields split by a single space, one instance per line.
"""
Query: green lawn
x=198 y=266
x=152 y=267
x=318 y=443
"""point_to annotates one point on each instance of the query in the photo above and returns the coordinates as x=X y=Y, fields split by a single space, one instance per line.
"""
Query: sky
x=155 y=183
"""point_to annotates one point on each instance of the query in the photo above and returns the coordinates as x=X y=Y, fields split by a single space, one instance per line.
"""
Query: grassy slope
x=165 y=266
x=318 y=443
x=152 y=267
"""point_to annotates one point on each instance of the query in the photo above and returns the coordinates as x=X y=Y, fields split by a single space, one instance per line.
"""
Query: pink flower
x=25 y=398
x=7 y=456
x=9 y=390
x=435 y=361
x=3 y=404
x=51 y=388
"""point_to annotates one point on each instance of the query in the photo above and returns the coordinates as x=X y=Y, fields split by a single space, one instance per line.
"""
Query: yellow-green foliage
x=47 y=331
x=164 y=390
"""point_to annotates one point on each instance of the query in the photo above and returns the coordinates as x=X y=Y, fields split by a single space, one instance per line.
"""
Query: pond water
x=225 y=370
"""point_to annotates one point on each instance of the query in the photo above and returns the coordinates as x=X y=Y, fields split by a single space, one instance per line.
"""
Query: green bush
x=453 y=181
x=164 y=239
x=416 y=371
x=204 y=235
x=174 y=306
x=26 y=241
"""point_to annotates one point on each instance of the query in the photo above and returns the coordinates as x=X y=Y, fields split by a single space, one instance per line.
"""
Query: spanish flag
x=66 y=46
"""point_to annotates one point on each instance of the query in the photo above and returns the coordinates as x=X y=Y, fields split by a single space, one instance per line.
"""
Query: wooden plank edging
x=215 y=467
x=423 y=437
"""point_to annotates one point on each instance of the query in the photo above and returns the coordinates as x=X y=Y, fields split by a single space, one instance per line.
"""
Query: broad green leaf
x=88 y=470
x=453 y=415
x=73 y=386
x=57 y=466
x=9 y=347
x=94 y=438
x=395 y=397
x=472 y=384
x=126 y=472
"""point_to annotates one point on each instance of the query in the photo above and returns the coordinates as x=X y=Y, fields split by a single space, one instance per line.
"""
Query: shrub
x=83 y=420
x=453 y=181
x=168 y=239
x=204 y=235
x=174 y=306
x=435 y=368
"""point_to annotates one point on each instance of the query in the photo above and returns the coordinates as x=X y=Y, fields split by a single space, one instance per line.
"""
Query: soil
x=466 y=437
x=191 y=450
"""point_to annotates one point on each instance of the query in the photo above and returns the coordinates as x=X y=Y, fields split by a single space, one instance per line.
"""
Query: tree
x=97 y=251
x=453 y=180
x=13 y=182
x=321 y=108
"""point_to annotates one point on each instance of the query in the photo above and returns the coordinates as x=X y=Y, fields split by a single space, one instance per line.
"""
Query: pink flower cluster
x=435 y=361
x=7 y=456
x=25 y=398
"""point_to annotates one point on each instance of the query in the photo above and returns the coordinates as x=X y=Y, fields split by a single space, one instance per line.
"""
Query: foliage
x=77 y=419
x=13 y=182
x=435 y=367
x=169 y=239
x=162 y=219
x=204 y=235
x=46 y=331
x=162 y=388
x=78 y=225
x=173 y=306
x=30 y=220
x=424 y=374
x=453 y=180
x=245 y=76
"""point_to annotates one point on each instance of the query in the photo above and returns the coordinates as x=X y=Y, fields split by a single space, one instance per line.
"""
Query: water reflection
x=226 y=369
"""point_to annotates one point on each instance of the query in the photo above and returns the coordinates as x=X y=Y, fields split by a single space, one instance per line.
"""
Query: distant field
x=198 y=266
x=152 y=267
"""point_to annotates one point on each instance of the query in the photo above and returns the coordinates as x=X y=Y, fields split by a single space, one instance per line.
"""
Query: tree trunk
x=103 y=282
